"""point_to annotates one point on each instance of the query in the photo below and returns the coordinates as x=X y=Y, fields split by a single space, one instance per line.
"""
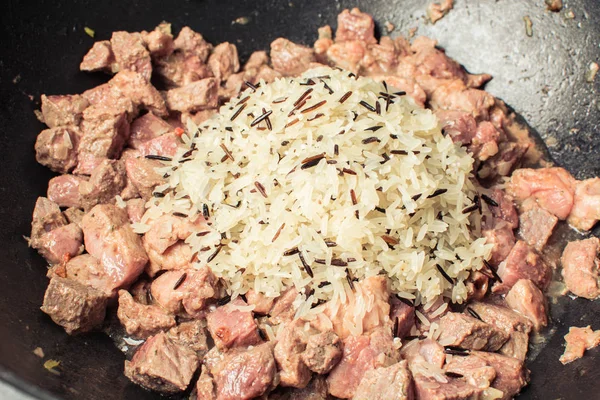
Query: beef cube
x=169 y=229
x=160 y=41
x=147 y=127
x=64 y=190
x=283 y=309
x=470 y=333
x=142 y=174
x=355 y=25
x=505 y=210
x=290 y=59
x=135 y=210
x=386 y=383
x=455 y=389
x=205 y=387
x=323 y=352
x=177 y=257
x=454 y=95
x=536 y=226
x=180 y=69
x=585 y=212
x=433 y=62
x=165 y=145
x=501 y=317
x=291 y=343
x=100 y=58
x=380 y=58
x=63 y=110
x=104 y=132
x=511 y=374
x=579 y=340
x=60 y=243
x=256 y=60
x=459 y=125
x=195 y=96
x=477 y=372
x=111 y=100
x=315 y=390
x=580 y=267
x=404 y=314
x=262 y=304
x=74 y=215
x=89 y=271
x=224 y=61
x=523 y=262
x=230 y=327
x=525 y=298
x=109 y=238
x=477 y=285
x=139 y=91
x=516 y=346
x=192 y=43
x=142 y=321
x=107 y=180
x=485 y=142
x=56 y=148
x=347 y=55
x=162 y=365
x=131 y=54
x=411 y=87
x=502 y=238
x=46 y=217
x=75 y=307
x=191 y=334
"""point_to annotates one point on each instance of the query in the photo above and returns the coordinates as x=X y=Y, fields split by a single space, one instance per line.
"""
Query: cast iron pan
x=42 y=42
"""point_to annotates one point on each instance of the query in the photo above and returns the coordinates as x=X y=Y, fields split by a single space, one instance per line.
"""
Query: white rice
x=304 y=208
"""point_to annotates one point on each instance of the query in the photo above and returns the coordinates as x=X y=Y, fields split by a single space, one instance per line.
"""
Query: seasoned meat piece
x=386 y=383
x=578 y=341
x=477 y=285
x=141 y=320
x=180 y=69
x=231 y=327
x=177 y=257
x=130 y=53
x=586 y=207
x=162 y=365
x=56 y=148
x=291 y=344
x=508 y=156
x=165 y=145
x=63 y=110
x=470 y=333
x=374 y=294
x=580 y=267
x=315 y=390
x=224 y=61
x=423 y=351
x=505 y=209
x=485 y=142
x=503 y=240
x=511 y=374
x=525 y=298
x=191 y=334
x=111 y=100
x=107 y=180
x=346 y=55
x=192 y=43
x=205 y=386
x=553 y=188
x=75 y=307
x=61 y=242
x=290 y=59
x=455 y=389
x=477 y=372
x=523 y=262
x=74 y=215
x=355 y=25
x=160 y=41
x=46 y=217
x=404 y=314
x=380 y=58
x=323 y=352
x=455 y=96
x=256 y=60
x=135 y=210
x=88 y=271
x=262 y=304
x=87 y=163
x=64 y=190
x=516 y=346
x=104 y=132
x=168 y=229
x=410 y=86
x=195 y=96
x=109 y=238
x=459 y=125
x=134 y=86
x=100 y=58
x=188 y=290
x=141 y=172
x=147 y=127
x=283 y=309
x=536 y=226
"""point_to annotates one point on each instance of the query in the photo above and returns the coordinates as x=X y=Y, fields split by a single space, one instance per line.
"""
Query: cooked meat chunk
x=477 y=285
x=516 y=346
x=192 y=43
x=110 y=99
x=100 y=58
x=323 y=352
x=165 y=145
x=553 y=188
x=195 y=96
x=283 y=308
x=224 y=61
x=485 y=143
x=191 y=334
x=290 y=59
x=147 y=127
x=107 y=180
x=134 y=86
x=46 y=217
x=386 y=383
x=501 y=317
x=177 y=257
x=477 y=372
x=404 y=314
x=455 y=389
x=141 y=172
x=355 y=25
x=109 y=238
x=456 y=96
x=262 y=304
x=291 y=343
x=75 y=307
x=580 y=267
x=511 y=374
x=64 y=190
x=141 y=320
x=74 y=215
x=578 y=341
x=459 y=125
x=63 y=110
x=437 y=11
x=60 y=243
x=523 y=262
x=347 y=55
x=505 y=210
x=160 y=41
x=130 y=53
x=528 y=300
x=315 y=390
x=536 y=226
x=411 y=87
x=586 y=207
x=470 y=333
x=231 y=327
x=104 y=132
x=169 y=229
x=180 y=69
x=205 y=386
x=162 y=365
x=89 y=271
x=502 y=238
x=509 y=155
x=56 y=148
x=135 y=210
x=423 y=351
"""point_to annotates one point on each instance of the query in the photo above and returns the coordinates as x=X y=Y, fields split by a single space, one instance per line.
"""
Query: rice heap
x=318 y=180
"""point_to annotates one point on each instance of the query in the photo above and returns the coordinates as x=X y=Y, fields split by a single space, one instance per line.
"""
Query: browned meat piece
x=135 y=210
x=169 y=229
x=455 y=389
x=180 y=69
x=104 y=132
x=205 y=386
x=404 y=314
x=165 y=145
x=586 y=207
x=485 y=142
x=147 y=127
x=423 y=351
x=162 y=365
x=195 y=96
x=509 y=155
x=142 y=320
x=505 y=209
x=459 y=125
x=386 y=383
x=191 y=334
x=224 y=61
x=177 y=257
x=523 y=262
x=141 y=172
x=46 y=217
x=88 y=271
x=410 y=86
x=511 y=374
x=467 y=332
x=188 y=290
x=516 y=346
x=361 y=354
x=553 y=188
x=476 y=371
x=380 y=58
x=107 y=180
x=60 y=243
x=437 y=11
x=477 y=285
x=133 y=85
x=290 y=59
x=109 y=238
x=525 y=298
x=100 y=58
x=64 y=190
x=455 y=96
x=262 y=304
x=160 y=41
x=536 y=226
x=75 y=307
x=323 y=352
x=231 y=327
x=63 y=110
x=192 y=43
x=56 y=148
x=256 y=60
x=355 y=25
x=74 y=215
x=131 y=53
x=502 y=238
x=291 y=343
x=283 y=309
x=579 y=340
x=580 y=267
x=347 y=55
x=315 y=390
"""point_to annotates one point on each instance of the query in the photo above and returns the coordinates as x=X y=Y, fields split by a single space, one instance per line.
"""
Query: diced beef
x=580 y=267
x=224 y=61
x=511 y=374
x=100 y=58
x=586 y=207
x=579 y=340
x=291 y=343
x=501 y=317
x=89 y=271
x=523 y=262
x=141 y=92
x=454 y=389
x=347 y=55
x=508 y=157
x=135 y=210
x=131 y=53
x=528 y=300
x=553 y=188
x=60 y=243
x=536 y=226
x=188 y=290
x=505 y=209
x=104 y=132
x=141 y=172
x=315 y=390
x=455 y=96
x=232 y=327
x=323 y=352
x=107 y=180
x=168 y=229
x=147 y=127
x=410 y=86
x=205 y=386
x=470 y=333
x=477 y=372
x=160 y=41
x=191 y=334
x=46 y=217
x=459 y=125
x=386 y=383
x=290 y=59
x=56 y=148
x=177 y=257
x=109 y=237
x=165 y=145
x=64 y=190
x=262 y=304
x=516 y=346
x=502 y=238
x=195 y=96
x=180 y=69
x=63 y=110
x=355 y=25
x=111 y=100
x=141 y=320
x=75 y=307
x=380 y=58
x=424 y=351
x=404 y=314
x=192 y=43
x=477 y=285
x=74 y=215
x=162 y=365
x=283 y=309
x=485 y=143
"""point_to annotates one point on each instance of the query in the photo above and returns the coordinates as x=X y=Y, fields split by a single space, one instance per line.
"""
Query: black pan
x=42 y=42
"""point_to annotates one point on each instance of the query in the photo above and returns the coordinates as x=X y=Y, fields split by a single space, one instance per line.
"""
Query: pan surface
x=542 y=77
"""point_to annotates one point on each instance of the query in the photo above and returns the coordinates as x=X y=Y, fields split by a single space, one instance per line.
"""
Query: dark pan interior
x=42 y=42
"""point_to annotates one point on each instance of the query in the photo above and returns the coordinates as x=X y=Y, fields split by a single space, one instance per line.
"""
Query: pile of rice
x=320 y=180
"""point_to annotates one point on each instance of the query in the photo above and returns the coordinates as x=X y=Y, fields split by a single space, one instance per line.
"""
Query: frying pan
x=42 y=42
